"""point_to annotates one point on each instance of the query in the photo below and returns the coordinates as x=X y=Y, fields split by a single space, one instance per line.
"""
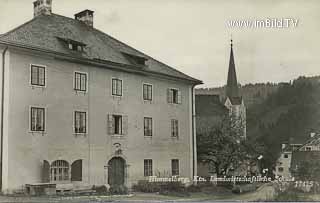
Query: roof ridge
x=143 y=53
x=130 y=47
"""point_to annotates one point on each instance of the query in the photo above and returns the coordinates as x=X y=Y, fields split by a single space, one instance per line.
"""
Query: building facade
x=83 y=108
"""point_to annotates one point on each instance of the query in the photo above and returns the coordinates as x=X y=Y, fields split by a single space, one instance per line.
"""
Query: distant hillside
x=252 y=93
x=280 y=112
x=290 y=113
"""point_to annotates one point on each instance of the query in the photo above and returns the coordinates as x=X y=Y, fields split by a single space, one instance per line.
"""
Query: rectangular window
x=286 y=156
x=147 y=167
x=116 y=87
x=174 y=128
x=147 y=126
x=175 y=167
x=37 y=119
x=37 y=75
x=280 y=169
x=147 y=92
x=174 y=96
x=117 y=124
x=80 y=122
x=80 y=81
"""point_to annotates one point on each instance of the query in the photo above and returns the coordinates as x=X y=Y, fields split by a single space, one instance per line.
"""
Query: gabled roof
x=46 y=31
x=235 y=100
x=314 y=141
x=209 y=105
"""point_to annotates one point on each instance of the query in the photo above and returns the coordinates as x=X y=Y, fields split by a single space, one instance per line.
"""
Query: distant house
x=310 y=151
x=82 y=108
x=283 y=164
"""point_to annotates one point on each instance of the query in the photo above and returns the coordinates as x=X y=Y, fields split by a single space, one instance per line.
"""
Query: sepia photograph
x=159 y=101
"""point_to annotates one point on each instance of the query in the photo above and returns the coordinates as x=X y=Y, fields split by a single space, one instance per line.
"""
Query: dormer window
x=135 y=60
x=73 y=45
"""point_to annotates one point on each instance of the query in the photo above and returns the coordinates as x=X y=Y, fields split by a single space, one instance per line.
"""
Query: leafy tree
x=222 y=146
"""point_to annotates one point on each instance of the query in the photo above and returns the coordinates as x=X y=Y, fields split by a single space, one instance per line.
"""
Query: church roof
x=51 y=32
x=235 y=100
x=209 y=105
x=232 y=89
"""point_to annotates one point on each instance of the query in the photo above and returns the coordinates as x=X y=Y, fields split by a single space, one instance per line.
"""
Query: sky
x=193 y=36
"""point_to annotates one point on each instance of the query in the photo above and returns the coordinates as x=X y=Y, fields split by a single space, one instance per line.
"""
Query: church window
x=280 y=169
x=286 y=156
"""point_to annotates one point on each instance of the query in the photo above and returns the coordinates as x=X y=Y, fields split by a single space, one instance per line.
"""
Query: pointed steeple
x=232 y=89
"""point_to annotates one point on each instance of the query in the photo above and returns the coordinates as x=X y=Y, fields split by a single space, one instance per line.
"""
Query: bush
x=118 y=190
x=244 y=188
x=146 y=186
x=194 y=188
x=100 y=189
x=174 y=189
x=164 y=188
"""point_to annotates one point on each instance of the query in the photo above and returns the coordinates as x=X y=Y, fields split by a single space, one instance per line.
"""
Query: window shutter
x=169 y=96
x=110 y=124
x=41 y=76
x=45 y=172
x=125 y=125
x=76 y=170
x=179 y=97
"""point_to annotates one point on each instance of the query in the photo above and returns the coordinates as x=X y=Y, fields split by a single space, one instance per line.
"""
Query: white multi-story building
x=80 y=107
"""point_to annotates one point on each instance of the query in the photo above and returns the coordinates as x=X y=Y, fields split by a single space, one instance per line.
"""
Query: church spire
x=232 y=89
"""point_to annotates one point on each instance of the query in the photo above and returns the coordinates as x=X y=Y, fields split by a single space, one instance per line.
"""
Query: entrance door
x=116 y=171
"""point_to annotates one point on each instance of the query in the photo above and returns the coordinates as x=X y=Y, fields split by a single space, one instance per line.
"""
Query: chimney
x=42 y=7
x=85 y=16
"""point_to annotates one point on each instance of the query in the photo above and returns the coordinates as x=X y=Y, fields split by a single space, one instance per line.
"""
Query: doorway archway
x=116 y=171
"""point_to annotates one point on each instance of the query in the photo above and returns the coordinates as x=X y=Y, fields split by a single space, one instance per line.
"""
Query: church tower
x=234 y=101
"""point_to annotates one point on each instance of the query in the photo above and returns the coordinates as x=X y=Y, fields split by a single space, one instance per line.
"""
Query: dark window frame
x=147 y=167
x=147 y=92
x=174 y=128
x=43 y=124
x=114 y=89
x=77 y=129
x=82 y=87
x=38 y=82
x=175 y=167
x=60 y=171
x=118 y=124
x=148 y=126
